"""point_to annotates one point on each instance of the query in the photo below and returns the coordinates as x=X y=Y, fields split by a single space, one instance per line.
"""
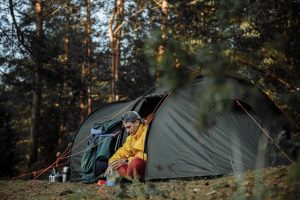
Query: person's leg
x=136 y=168
x=123 y=170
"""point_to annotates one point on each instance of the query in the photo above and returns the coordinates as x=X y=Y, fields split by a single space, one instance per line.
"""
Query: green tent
x=206 y=127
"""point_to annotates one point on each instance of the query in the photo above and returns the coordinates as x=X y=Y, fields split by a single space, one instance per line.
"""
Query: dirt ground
x=273 y=183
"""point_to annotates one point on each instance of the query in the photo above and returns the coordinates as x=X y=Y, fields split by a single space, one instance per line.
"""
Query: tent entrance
x=150 y=105
x=147 y=108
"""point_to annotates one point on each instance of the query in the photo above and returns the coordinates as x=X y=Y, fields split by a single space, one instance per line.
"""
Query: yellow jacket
x=133 y=146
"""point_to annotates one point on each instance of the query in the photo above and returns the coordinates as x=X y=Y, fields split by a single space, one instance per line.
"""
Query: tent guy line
x=264 y=131
x=38 y=173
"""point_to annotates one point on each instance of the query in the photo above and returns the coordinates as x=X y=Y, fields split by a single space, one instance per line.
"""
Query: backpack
x=106 y=138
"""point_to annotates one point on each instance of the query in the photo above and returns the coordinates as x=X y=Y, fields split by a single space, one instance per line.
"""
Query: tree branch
x=20 y=35
x=127 y=20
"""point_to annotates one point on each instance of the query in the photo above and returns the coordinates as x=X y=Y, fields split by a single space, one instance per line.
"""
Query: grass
x=273 y=183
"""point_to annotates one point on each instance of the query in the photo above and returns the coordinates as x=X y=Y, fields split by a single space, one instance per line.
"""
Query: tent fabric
x=176 y=147
x=179 y=145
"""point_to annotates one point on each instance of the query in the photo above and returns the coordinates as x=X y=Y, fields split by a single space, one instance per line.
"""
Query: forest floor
x=272 y=183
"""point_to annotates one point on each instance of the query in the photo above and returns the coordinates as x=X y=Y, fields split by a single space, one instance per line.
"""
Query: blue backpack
x=106 y=138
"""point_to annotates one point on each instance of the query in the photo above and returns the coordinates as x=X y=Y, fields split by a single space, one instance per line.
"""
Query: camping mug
x=66 y=170
x=110 y=183
x=65 y=178
x=111 y=179
x=65 y=174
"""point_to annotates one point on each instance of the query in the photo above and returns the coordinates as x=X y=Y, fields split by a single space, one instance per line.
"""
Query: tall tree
x=36 y=93
x=85 y=97
x=135 y=70
x=66 y=61
x=115 y=31
x=164 y=35
x=88 y=53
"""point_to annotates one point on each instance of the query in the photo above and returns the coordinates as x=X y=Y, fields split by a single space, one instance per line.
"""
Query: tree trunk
x=115 y=31
x=67 y=35
x=83 y=106
x=37 y=97
x=88 y=55
x=112 y=46
x=85 y=97
x=66 y=62
x=164 y=36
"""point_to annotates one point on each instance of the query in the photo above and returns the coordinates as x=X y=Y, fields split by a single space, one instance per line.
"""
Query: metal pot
x=55 y=178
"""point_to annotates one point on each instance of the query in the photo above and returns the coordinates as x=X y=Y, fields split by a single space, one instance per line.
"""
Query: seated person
x=130 y=159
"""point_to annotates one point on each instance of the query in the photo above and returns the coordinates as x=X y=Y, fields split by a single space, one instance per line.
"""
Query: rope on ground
x=63 y=156
x=38 y=173
x=54 y=163
x=34 y=172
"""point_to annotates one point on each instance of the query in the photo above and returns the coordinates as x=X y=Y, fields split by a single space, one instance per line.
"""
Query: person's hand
x=118 y=163
x=108 y=171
